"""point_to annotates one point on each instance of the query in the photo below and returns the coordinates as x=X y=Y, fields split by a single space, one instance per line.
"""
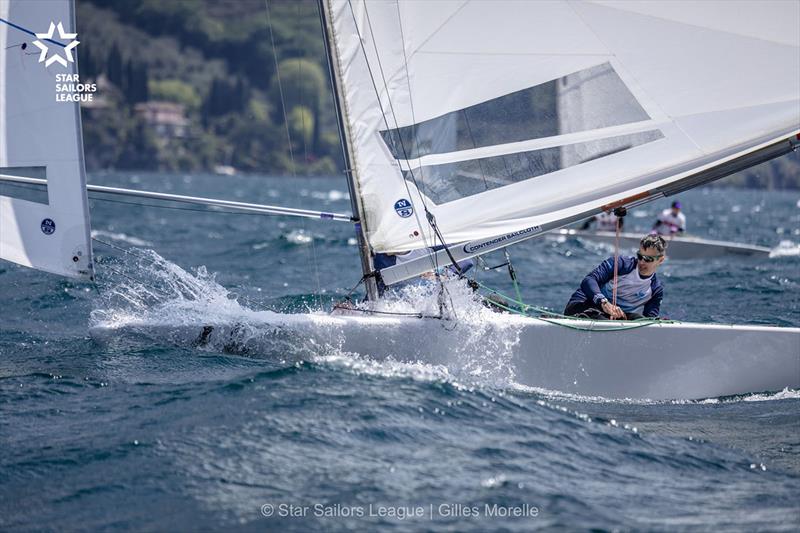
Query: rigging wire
x=619 y=212
x=415 y=146
x=348 y=159
x=385 y=120
x=429 y=216
x=305 y=152
x=475 y=145
x=616 y=267
x=511 y=272
x=313 y=254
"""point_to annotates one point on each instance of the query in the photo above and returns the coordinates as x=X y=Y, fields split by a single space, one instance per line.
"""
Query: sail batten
x=525 y=146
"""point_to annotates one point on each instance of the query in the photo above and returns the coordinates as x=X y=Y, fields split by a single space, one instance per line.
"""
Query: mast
x=334 y=71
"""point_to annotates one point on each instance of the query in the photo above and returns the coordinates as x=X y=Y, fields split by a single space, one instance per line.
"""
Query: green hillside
x=215 y=61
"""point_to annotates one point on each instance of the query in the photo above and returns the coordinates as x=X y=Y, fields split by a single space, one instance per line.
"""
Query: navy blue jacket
x=591 y=291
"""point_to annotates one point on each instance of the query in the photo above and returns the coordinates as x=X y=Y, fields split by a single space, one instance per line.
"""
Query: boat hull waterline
x=664 y=360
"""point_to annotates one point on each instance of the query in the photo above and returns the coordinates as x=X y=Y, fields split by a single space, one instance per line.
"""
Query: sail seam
x=695 y=26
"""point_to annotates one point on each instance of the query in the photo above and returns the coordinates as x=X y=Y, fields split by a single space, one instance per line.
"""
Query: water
x=143 y=434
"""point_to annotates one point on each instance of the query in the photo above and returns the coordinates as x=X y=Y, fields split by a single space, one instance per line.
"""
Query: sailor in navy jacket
x=639 y=291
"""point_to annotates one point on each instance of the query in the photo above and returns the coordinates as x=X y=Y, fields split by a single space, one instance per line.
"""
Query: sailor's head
x=676 y=207
x=652 y=252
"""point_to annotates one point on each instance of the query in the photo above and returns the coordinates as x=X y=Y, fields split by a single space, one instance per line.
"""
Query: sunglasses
x=648 y=258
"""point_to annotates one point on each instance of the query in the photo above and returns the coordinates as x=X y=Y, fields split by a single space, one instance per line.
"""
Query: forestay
x=506 y=117
x=41 y=137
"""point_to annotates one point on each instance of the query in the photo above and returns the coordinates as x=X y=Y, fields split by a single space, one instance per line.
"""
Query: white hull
x=658 y=361
x=680 y=247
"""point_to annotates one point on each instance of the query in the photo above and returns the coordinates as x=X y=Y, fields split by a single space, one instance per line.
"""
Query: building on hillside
x=167 y=118
x=100 y=100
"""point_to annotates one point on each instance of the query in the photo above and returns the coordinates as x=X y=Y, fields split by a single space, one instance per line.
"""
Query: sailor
x=605 y=221
x=639 y=291
x=671 y=221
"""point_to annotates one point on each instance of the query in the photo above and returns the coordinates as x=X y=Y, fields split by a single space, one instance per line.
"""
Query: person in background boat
x=605 y=221
x=381 y=261
x=639 y=291
x=670 y=221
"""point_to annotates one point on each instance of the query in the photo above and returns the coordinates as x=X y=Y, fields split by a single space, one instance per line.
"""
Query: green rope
x=556 y=317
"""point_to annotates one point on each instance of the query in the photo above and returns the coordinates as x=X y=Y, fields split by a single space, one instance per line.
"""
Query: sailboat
x=680 y=246
x=471 y=126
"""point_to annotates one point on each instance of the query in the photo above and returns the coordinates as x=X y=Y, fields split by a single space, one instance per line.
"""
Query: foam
x=155 y=300
x=129 y=239
x=785 y=248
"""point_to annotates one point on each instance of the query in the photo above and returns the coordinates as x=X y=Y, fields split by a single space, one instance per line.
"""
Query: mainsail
x=41 y=137
x=497 y=120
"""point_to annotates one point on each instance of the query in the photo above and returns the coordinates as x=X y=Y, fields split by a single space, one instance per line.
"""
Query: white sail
x=502 y=117
x=41 y=137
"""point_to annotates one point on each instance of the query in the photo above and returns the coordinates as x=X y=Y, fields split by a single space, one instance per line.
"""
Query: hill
x=214 y=63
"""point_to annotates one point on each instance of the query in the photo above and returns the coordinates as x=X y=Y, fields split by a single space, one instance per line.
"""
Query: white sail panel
x=711 y=83
x=40 y=135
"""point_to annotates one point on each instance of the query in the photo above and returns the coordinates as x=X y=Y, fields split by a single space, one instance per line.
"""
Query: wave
x=150 y=299
x=785 y=248
x=785 y=394
x=123 y=237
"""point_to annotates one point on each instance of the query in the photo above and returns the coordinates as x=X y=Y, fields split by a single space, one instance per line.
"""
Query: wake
x=148 y=300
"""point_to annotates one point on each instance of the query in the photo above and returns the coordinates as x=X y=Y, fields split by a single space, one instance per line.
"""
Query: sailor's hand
x=613 y=311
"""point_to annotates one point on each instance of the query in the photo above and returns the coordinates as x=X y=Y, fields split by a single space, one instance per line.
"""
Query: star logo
x=55 y=58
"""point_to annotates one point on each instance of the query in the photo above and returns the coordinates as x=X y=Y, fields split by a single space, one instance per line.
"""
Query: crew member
x=605 y=221
x=670 y=221
x=639 y=291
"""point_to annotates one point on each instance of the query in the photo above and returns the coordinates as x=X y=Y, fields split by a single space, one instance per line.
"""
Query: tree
x=114 y=67
x=301 y=124
x=172 y=90
x=303 y=83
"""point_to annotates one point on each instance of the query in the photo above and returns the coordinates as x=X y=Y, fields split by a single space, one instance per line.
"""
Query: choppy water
x=142 y=434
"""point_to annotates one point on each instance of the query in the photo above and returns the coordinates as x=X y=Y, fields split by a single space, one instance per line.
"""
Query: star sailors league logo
x=55 y=58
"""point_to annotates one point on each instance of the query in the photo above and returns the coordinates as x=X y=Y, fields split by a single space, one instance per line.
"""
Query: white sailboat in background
x=680 y=246
x=469 y=126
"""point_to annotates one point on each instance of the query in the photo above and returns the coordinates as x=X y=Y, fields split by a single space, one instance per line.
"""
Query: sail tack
x=41 y=137
x=500 y=116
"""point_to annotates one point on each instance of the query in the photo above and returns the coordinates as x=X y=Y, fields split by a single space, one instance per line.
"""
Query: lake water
x=147 y=435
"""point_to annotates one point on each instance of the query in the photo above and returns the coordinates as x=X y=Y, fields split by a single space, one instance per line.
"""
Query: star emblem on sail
x=55 y=58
